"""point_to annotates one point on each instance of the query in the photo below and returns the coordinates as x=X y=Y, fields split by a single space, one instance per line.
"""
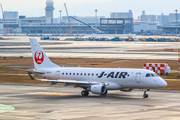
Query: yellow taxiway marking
x=46 y=93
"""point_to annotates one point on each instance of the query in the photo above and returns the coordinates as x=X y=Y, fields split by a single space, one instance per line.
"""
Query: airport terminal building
x=76 y=28
x=118 y=23
x=49 y=25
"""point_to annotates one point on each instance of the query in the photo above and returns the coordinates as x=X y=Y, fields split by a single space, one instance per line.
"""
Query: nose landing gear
x=145 y=93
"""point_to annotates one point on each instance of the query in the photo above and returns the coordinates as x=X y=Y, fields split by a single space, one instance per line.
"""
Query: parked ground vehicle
x=159 y=68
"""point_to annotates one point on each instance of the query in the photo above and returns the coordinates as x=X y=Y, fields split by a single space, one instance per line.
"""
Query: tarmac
x=20 y=46
x=46 y=102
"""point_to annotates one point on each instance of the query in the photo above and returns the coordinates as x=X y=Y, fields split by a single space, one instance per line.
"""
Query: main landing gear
x=145 y=94
x=85 y=93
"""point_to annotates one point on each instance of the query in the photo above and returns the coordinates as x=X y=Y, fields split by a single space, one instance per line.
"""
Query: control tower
x=49 y=8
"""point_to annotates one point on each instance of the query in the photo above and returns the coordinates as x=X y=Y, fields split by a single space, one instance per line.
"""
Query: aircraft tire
x=85 y=93
x=145 y=95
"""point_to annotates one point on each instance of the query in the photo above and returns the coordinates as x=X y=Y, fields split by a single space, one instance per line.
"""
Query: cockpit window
x=156 y=75
x=148 y=75
x=153 y=75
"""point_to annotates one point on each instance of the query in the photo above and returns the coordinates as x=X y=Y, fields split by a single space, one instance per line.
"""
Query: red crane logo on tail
x=39 y=57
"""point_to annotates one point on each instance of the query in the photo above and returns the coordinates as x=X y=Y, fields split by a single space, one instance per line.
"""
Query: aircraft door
x=138 y=75
x=57 y=75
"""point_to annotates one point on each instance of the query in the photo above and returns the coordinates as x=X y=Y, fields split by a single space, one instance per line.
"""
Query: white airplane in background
x=94 y=80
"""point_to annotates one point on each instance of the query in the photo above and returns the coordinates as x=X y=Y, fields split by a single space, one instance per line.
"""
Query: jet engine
x=98 y=89
x=126 y=90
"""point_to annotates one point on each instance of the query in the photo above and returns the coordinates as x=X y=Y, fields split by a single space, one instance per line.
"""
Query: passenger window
x=81 y=73
x=96 y=74
x=88 y=73
x=148 y=75
x=84 y=73
x=77 y=73
x=69 y=73
x=73 y=73
x=92 y=74
x=66 y=73
x=62 y=73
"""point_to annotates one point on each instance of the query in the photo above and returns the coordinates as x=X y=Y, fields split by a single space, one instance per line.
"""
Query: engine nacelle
x=98 y=89
x=126 y=90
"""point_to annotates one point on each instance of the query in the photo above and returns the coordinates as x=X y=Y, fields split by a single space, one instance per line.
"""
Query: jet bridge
x=99 y=31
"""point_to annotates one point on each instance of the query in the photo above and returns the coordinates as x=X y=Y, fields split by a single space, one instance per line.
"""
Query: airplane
x=94 y=80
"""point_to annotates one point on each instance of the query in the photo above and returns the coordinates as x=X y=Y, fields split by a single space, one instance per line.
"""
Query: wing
x=66 y=82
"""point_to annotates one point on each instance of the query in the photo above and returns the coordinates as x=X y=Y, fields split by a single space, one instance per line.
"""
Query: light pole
x=96 y=16
x=60 y=21
x=176 y=21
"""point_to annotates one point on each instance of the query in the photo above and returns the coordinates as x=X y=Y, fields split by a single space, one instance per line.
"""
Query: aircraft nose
x=163 y=83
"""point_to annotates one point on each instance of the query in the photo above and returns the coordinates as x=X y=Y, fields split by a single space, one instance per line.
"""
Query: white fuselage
x=115 y=78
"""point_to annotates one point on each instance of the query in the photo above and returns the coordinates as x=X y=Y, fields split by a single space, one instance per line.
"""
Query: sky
x=35 y=8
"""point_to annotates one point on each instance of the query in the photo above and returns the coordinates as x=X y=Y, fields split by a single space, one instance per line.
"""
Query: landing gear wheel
x=85 y=93
x=145 y=94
